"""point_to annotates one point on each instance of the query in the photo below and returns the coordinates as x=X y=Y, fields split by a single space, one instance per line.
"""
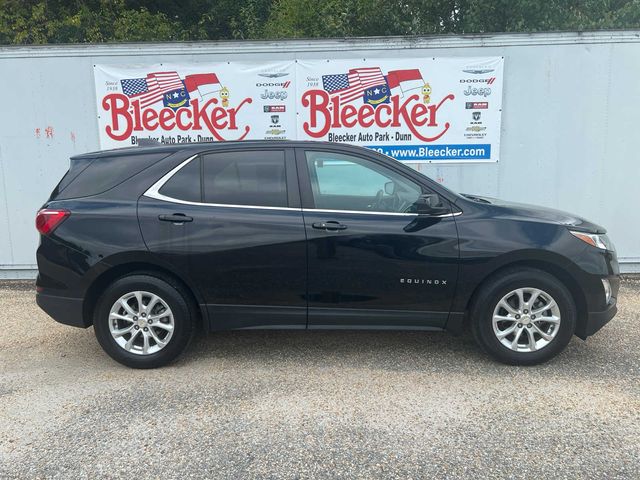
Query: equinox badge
x=422 y=281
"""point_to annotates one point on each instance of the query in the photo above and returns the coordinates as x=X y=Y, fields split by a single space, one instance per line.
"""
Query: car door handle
x=330 y=225
x=175 y=218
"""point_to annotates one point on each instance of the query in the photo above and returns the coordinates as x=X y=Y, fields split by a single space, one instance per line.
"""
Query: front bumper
x=595 y=321
x=63 y=309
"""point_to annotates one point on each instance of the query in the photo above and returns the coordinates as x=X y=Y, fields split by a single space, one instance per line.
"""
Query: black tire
x=171 y=293
x=499 y=285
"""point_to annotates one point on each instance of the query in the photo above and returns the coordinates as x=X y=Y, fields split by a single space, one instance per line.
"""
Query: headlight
x=597 y=240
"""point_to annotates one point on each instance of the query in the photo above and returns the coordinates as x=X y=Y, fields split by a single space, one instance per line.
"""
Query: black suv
x=146 y=243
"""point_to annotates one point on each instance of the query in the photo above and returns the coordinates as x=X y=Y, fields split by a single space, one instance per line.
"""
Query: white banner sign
x=195 y=103
x=415 y=110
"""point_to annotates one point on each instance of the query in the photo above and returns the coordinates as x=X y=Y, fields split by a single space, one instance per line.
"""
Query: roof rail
x=148 y=142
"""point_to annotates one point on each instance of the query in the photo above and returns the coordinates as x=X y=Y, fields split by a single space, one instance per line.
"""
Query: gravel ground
x=315 y=405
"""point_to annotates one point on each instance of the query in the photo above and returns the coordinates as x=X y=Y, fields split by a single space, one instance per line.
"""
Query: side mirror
x=430 y=204
x=390 y=188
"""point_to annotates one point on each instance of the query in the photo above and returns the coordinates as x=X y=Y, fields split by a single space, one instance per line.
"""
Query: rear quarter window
x=101 y=174
x=185 y=184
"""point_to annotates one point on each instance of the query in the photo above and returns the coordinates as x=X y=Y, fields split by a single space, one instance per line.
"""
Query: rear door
x=231 y=222
x=372 y=262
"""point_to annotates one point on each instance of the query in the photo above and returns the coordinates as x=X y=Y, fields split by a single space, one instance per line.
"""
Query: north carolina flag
x=203 y=83
x=405 y=80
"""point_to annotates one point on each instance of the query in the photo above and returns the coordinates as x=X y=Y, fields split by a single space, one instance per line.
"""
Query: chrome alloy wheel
x=141 y=322
x=526 y=319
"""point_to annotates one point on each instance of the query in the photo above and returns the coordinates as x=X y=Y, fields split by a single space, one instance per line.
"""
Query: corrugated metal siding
x=568 y=129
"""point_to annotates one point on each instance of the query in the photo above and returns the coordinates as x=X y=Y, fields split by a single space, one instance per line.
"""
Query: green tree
x=211 y=19
x=335 y=18
x=346 y=18
x=60 y=21
x=530 y=16
x=43 y=21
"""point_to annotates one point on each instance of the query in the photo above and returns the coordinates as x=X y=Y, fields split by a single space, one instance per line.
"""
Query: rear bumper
x=596 y=320
x=63 y=309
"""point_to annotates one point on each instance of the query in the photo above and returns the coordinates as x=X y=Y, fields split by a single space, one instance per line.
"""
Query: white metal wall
x=570 y=117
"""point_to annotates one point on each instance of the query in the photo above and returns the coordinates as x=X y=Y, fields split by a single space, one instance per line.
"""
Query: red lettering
x=167 y=117
x=326 y=113
x=419 y=110
x=347 y=113
x=335 y=107
x=186 y=112
x=149 y=118
x=232 y=118
x=401 y=110
x=218 y=115
x=127 y=116
x=363 y=116
x=201 y=114
x=432 y=123
x=118 y=104
x=385 y=107
x=432 y=112
x=318 y=103
x=137 y=123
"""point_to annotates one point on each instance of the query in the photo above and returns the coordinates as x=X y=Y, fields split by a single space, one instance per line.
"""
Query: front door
x=371 y=260
x=231 y=222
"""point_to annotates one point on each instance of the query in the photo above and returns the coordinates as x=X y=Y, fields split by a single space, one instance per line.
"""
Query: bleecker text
x=127 y=116
x=326 y=113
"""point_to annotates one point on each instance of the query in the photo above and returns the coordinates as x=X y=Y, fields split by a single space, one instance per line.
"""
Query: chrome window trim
x=228 y=205
x=366 y=212
x=154 y=192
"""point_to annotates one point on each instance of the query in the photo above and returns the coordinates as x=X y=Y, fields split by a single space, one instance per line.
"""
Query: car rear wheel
x=523 y=317
x=143 y=321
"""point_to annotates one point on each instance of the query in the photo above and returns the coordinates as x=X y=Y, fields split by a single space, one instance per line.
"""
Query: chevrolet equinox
x=146 y=243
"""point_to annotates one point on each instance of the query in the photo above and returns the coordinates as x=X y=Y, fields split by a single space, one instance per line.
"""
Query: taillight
x=48 y=219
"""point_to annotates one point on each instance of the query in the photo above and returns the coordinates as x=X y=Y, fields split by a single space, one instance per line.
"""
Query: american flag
x=151 y=89
x=351 y=86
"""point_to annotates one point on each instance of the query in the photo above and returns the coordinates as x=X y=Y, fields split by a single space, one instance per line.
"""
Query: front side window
x=344 y=182
x=250 y=177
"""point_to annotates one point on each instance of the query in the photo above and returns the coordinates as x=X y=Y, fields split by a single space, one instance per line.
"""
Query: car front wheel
x=523 y=317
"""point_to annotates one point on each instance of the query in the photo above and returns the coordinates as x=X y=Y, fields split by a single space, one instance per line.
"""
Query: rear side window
x=76 y=168
x=245 y=178
x=185 y=184
x=101 y=174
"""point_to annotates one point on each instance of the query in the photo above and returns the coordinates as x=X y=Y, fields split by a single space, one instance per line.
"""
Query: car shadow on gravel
x=407 y=351
x=399 y=351
x=372 y=349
